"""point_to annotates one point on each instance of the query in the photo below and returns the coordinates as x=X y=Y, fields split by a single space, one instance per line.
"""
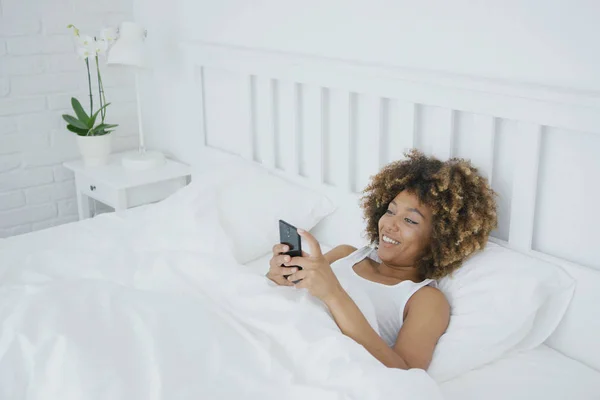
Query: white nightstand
x=120 y=188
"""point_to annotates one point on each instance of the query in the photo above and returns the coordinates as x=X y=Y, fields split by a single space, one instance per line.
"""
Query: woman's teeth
x=389 y=240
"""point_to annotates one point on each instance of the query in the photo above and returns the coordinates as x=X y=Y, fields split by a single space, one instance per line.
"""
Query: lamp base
x=143 y=161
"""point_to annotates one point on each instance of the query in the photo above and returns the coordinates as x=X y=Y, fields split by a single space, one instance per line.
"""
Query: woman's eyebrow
x=411 y=209
x=417 y=211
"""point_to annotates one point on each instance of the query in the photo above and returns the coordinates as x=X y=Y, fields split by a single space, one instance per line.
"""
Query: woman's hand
x=316 y=274
x=276 y=271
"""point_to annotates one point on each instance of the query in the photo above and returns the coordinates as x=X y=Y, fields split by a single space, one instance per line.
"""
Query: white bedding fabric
x=541 y=373
x=137 y=308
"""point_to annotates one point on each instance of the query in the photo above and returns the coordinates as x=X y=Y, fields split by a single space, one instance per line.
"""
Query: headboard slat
x=475 y=139
x=368 y=132
x=265 y=120
x=311 y=133
x=287 y=126
x=339 y=160
x=526 y=161
x=401 y=129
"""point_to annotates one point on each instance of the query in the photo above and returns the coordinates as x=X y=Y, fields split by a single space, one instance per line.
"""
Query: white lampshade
x=128 y=49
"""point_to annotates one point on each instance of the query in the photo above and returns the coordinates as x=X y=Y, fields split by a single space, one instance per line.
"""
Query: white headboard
x=336 y=122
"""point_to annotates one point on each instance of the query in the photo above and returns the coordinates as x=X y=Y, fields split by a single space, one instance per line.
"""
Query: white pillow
x=501 y=301
x=251 y=201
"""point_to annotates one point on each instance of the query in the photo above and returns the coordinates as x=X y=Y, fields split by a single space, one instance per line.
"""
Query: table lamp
x=128 y=50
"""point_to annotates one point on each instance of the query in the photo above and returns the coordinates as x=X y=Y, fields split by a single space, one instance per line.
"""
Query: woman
x=424 y=218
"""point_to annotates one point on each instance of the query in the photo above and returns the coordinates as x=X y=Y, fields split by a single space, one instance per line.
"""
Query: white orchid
x=85 y=41
x=100 y=46
x=109 y=34
x=85 y=51
x=86 y=46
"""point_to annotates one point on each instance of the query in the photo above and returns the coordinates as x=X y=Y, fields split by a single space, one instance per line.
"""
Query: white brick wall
x=39 y=73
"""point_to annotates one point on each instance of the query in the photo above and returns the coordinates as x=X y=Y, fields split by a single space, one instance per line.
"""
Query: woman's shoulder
x=429 y=298
x=338 y=252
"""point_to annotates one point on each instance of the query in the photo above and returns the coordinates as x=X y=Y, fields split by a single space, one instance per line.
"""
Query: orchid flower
x=109 y=35
x=100 y=46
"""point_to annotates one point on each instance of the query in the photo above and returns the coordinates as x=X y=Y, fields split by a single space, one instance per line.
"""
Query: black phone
x=288 y=234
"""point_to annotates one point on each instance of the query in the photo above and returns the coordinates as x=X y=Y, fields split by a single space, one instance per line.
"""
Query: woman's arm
x=426 y=320
x=427 y=311
x=353 y=323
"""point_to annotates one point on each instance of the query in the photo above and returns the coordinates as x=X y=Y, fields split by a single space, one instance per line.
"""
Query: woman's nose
x=394 y=225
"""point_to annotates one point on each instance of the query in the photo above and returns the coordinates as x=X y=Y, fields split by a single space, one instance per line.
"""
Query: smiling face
x=404 y=231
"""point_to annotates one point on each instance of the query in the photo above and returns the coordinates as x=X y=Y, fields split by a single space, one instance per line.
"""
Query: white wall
x=552 y=43
x=39 y=72
x=549 y=43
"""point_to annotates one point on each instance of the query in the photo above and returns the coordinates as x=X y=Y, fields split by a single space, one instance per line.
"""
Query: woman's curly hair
x=462 y=202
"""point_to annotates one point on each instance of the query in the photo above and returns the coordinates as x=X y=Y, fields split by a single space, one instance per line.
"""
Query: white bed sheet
x=541 y=373
x=148 y=306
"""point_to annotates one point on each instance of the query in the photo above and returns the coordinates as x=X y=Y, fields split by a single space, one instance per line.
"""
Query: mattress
x=541 y=373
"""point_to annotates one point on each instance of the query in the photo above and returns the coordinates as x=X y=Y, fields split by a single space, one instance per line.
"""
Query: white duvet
x=152 y=307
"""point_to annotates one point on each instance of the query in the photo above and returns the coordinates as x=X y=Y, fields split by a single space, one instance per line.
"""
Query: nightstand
x=121 y=188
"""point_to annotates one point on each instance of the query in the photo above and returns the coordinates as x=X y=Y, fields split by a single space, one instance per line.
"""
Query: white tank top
x=382 y=305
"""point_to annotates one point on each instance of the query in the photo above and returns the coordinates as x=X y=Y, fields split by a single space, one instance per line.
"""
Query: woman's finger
x=313 y=244
x=286 y=270
x=297 y=276
x=278 y=261
x=280 y=248
x=282 y=259
x=278 y=278
x=299 y=261
x=281 y=281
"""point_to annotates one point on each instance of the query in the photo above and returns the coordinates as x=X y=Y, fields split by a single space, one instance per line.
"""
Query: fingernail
x=294 y=270
x=300 y=230
x=287 y=259
x=285 y=248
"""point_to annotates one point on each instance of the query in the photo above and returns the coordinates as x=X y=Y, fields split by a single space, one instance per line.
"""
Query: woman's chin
x=385 y=251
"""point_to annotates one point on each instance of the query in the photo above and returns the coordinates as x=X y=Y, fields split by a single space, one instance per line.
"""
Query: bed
x=161 y=301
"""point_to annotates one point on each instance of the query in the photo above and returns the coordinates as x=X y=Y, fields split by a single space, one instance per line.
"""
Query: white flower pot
x=95 y=150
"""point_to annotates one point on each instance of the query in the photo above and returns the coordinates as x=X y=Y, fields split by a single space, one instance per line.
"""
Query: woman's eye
x=388 y=211
x=410 y=221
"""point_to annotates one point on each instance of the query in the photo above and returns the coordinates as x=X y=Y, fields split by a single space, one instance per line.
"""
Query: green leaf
x=80 y=132
x=106 y=126
x=103 y=129
x=81 y=114
x=93 y=118
x=74 y=121
x=100 y=132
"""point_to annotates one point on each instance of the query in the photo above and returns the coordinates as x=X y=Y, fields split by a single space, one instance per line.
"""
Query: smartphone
x=288 y=234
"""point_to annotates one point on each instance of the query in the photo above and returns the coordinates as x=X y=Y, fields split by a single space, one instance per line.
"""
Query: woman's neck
x=401 y=273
